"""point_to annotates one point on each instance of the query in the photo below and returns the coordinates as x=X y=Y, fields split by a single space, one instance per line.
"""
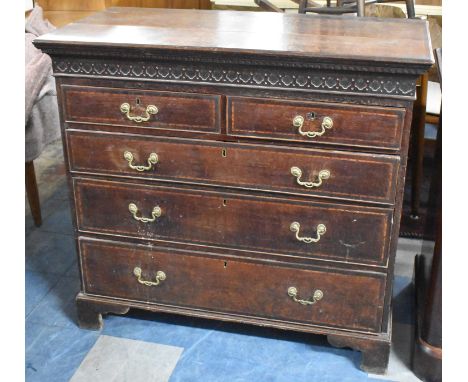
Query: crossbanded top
x=347 y=38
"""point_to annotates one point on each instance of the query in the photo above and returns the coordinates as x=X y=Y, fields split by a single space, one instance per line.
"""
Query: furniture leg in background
x=33 y=193
x=41 y=113
x=360 y=8
x=427 y=352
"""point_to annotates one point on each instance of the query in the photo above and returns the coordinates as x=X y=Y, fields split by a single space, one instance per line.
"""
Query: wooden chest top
x=326 y=38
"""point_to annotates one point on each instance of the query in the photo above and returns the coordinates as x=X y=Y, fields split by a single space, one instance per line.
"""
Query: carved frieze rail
x=202 y=73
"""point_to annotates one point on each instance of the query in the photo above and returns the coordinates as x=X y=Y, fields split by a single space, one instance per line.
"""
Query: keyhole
x=224 y=202
x=225 y=264
x=224 y=153
x=137 y=101
x=311 y=116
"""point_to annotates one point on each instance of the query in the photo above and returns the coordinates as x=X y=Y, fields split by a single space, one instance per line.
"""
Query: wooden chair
x=33 y=193
x=338 y=8
x=42 y=121
x=349 y=6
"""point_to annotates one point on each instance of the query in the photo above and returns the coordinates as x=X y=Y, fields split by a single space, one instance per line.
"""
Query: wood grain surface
x=332 y=37
x=175 y=111
x=353 y=176
x=228 y=285
x=240 y=221
x=352 y=125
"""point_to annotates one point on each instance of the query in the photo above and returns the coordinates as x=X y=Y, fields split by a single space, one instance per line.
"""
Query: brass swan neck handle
x=150 y=110
x=298 y=121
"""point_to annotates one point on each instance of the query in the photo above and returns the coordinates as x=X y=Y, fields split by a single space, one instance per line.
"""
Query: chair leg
x=33 y=193
x=360 y=8
x=410 y=9
x=302 y=6
x=418 y=146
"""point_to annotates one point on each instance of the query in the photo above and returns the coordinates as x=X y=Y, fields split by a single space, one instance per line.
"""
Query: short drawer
x=315 y=122
x=140 y=108
x=193 y=280
x=361 y=177
x=240 y=221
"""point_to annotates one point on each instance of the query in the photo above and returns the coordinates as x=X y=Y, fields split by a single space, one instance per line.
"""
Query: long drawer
x=240 y=221
x=352 y=176
x=188 y=279
x=315 y=122
x=142 y=108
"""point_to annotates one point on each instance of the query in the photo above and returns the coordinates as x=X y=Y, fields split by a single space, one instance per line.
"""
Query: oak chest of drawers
x=239 y=166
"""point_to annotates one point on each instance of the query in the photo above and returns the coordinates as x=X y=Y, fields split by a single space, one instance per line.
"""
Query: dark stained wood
x=280 y=94
x=375 y=352
x=227 y=90
x=397 y=214
x=90 y=314
x=226 y=285
x=329 y=37
x=33 y=193
x=176 y=111
x=103 y=301
x=235 y=165
x=352 y=125
x=427 y=349
x=431 y=279
x=354 y=234
x=192 y=63
x=268 y=6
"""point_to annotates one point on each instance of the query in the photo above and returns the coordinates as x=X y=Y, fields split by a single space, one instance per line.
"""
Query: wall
x=61 y=12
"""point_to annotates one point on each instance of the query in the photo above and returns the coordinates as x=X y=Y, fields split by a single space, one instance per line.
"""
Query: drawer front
x=319 y=123
x=172 y=111
x=349 y=300
x=353 y=234
x=335 y=174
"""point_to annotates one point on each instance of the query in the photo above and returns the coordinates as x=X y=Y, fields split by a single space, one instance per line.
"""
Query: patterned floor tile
x=239 y=352
x=48 y=206
x=165 y=329
x=73 y=271
x=399 y=366
x=59 y=220
x=403 y=300
x=37 y=286
x=54 y=353
x=239 y=357
x=49 y=252
x=115 y=359
x=58 y=306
